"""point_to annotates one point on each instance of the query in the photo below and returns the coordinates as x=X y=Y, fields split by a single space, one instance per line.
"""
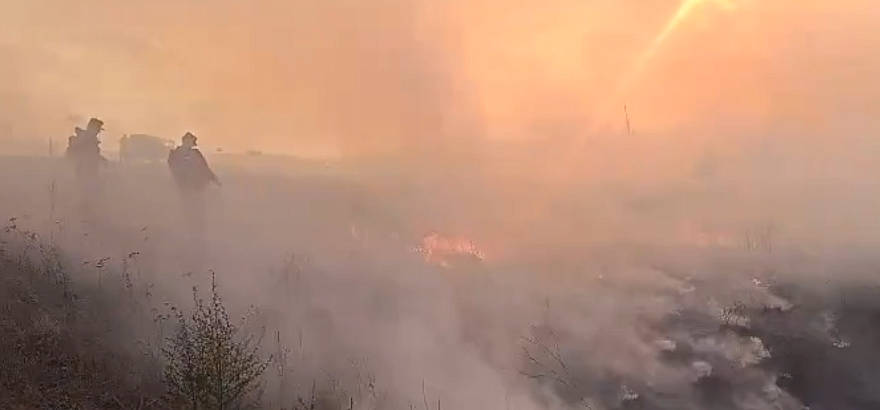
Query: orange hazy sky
x=356 y=76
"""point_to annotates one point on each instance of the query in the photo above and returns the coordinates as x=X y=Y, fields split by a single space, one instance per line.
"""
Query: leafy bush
x=209 y=364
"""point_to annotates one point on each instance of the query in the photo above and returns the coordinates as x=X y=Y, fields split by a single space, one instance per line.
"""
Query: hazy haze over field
x=753 y=161
x=353 y=77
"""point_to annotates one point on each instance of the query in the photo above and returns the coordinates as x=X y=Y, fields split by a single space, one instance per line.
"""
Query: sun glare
x=682 y=14
x=607 y=110
x=684 y=11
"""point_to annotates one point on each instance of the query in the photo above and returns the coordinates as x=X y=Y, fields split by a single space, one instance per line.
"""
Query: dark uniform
x=84 y=152
x=192 y=175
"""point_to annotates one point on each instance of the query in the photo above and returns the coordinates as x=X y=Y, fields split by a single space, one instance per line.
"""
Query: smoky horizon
x=496 y=205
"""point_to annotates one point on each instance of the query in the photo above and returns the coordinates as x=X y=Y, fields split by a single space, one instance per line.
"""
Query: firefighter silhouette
x=84 y=152
x=192 y=175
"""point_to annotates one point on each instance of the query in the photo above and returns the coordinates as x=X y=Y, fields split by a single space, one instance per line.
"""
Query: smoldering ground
x=708 y=260
x=656 y=319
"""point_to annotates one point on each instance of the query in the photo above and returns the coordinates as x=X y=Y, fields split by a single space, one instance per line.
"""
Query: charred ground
x=654 y=326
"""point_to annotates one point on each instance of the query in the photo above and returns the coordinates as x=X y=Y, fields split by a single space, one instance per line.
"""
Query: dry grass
x=58 y=352
x=74 y=344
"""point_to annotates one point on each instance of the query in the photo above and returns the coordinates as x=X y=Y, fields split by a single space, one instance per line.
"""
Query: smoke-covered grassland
x=722 y=255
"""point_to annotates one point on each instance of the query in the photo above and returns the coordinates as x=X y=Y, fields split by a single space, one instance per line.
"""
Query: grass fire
x=458 y=204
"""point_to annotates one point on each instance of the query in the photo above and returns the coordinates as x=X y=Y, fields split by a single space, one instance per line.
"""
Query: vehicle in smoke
x=144 y=148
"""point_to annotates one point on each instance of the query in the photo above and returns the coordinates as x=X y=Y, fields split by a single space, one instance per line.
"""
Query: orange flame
x=438 y=249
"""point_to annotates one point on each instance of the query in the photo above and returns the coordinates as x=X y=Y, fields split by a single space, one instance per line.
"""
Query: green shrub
x=209 y=364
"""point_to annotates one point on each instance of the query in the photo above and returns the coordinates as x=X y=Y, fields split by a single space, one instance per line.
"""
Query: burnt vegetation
x=70 y=343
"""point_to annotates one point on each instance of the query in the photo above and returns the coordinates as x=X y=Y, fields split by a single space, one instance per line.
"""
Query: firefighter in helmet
x=84 y=149
x=191 y=173
x=189 y=167
x=84 y=152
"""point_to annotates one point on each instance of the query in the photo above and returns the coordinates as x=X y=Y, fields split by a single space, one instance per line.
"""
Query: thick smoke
x=363 y=78
x=647 y=270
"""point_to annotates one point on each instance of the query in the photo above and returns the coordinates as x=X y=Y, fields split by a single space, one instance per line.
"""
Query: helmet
x=95 y=124
x=189 y=137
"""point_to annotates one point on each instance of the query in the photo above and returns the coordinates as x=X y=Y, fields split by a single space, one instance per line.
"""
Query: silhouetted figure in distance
x=84 y=152
x=191 y=173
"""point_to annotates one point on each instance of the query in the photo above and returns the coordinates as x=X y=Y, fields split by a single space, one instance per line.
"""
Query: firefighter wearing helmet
x=83 y=148
x=191 y=173
x=189 y=167
x=84 y=153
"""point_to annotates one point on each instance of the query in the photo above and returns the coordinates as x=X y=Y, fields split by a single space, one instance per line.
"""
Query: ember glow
x=441 y=250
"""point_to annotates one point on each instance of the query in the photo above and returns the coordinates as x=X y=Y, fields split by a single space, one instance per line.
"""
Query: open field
x=685 y=295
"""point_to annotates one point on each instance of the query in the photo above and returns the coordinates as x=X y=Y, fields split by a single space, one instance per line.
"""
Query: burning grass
x=446 y=251
x=80 y=335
